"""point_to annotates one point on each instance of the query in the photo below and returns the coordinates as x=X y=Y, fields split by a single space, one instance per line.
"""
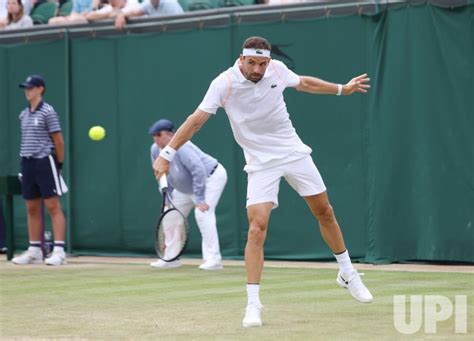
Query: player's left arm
x=318 y=86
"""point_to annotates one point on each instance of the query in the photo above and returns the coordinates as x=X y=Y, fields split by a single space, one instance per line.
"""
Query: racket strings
x=171 y=235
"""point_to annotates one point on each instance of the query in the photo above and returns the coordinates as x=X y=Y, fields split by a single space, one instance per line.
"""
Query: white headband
x=256 y=53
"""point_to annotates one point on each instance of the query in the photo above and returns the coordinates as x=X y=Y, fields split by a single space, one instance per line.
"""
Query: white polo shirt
x=258 y=115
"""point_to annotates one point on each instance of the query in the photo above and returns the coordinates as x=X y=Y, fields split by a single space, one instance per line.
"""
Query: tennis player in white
x=251 y=92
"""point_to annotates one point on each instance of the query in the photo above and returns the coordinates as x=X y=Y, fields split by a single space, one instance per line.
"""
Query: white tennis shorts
x=302 y=175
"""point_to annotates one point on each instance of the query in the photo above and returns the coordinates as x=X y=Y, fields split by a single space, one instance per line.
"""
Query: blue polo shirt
x=189 y=169
x=36 y=129
x=82 y=6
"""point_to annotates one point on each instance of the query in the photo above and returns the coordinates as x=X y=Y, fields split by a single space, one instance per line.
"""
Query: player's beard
x=254 y=77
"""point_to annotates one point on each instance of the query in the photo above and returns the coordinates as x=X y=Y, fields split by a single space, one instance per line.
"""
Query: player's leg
x=207 y=220
x=304 y=177
x=331 y=232
x=328 y=225
x=262 y=197
x=258 y=216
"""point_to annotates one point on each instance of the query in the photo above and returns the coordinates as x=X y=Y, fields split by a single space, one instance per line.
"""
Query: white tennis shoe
x=253 y=316
x=211 y=265
x=161 y=264
x=58 y=257
x=353 y=283
x=33 y=255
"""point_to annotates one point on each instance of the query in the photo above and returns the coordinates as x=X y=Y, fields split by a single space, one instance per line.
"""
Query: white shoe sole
x=254 y=320
x=55 y=264
x=252 y=324
x=36 y=261
x=341 y=283
x=173 y=266
x=219 y=267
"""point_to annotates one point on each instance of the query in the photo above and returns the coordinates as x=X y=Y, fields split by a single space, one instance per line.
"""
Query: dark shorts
x=39 y=179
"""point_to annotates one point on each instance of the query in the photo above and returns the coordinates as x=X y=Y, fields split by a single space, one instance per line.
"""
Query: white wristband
x=339 y=90
x=167 y=153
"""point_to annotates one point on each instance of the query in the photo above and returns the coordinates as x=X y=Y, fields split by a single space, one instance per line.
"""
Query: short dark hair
x=257 y=43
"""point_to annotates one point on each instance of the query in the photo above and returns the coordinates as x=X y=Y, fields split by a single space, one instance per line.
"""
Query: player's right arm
x=185 y=132
x=212 y=101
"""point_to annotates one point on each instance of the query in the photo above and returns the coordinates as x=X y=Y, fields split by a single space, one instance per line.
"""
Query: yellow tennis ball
x=96 y=133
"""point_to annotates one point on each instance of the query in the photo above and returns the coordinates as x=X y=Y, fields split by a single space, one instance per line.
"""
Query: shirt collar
x=37 y=108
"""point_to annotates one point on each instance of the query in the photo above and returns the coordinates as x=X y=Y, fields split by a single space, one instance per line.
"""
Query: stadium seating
x=197 y=5
x=43 y=12
x=65 y=9
x=184 y=4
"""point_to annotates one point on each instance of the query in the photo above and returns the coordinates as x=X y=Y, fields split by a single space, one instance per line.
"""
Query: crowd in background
x=21 y=14
x=16 y=13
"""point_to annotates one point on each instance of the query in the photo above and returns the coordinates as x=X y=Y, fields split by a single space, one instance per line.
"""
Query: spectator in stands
x=151 y=8
x=36 y=3
x=3 y=13
x=78 y=14
x=16 y=18
x=112 y=9
x=27 y=6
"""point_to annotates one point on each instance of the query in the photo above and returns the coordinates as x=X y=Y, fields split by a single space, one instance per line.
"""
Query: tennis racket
x=172 y=230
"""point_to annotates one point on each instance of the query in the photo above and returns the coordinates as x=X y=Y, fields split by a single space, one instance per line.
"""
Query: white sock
x=35 y=246
x=344 y=261
x=253 y=294
x=58 y=249
x=58 y=245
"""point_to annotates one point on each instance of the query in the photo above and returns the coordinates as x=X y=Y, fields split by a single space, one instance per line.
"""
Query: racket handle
x=163 y=182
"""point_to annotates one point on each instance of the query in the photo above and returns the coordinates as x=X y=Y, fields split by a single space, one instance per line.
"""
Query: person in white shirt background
x=251 y=92
x=111 y=10
x=17 y=18
x=151 y=8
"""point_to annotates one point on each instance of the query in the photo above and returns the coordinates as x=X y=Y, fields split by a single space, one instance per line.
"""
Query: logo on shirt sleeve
x=273 y=86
